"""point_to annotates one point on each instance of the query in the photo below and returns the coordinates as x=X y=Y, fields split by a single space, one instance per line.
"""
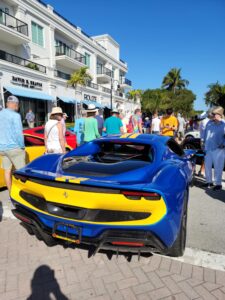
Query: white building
x=39 y=49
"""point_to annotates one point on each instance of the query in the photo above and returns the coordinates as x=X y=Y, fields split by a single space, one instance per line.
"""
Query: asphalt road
x=206 y=218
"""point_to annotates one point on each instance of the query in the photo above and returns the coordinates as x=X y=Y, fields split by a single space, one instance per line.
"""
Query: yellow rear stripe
x=125 y=135
x=133 y=136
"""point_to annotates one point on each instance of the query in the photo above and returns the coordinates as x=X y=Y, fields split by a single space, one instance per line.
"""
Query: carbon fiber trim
x=74 y=186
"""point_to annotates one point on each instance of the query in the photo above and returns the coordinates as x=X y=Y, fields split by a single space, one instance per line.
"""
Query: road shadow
x=1 y=211
x=44 y=285
x=218 y=195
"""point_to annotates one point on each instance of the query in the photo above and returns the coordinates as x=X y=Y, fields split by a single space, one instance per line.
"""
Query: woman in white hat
x=91 y=124
x=54 y=137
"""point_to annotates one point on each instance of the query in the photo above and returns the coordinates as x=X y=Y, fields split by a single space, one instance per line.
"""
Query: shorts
x=14 y=157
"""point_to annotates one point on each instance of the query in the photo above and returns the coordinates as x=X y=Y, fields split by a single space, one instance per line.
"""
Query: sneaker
x=217 y=187
x=207 y=185
x=199 y=174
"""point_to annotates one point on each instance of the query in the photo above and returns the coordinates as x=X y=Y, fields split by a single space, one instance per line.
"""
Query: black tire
x=189 y=146
x=189 y=136
x=179 y=245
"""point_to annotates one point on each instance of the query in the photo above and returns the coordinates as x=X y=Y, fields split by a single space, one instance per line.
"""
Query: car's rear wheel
x=189 y=136
x=179 y=245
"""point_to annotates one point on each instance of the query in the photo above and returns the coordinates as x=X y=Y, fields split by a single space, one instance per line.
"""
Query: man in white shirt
x=155 y=124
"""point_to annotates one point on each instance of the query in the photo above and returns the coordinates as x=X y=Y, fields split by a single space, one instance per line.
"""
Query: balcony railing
x=13 y=23
x=60 y=50
x=92 y=85
x=104 y=70
x=21 y=61
x=124 y=80
x=106 y=90
x=62 y=75
x=118 y=93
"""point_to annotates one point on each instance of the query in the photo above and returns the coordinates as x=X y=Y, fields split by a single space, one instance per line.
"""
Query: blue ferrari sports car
x=123 y=193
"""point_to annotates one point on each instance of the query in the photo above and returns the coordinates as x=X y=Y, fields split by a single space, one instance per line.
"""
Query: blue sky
x=156 y=35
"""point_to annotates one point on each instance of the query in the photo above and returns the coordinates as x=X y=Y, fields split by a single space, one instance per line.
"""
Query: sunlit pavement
x=31 y=270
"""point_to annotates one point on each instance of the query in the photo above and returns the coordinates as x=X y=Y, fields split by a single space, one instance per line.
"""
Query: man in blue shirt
x=113 y=124
x=30 y=118
x=100 y=121
x=11 y=139
x=79 y=128
x=214 y=141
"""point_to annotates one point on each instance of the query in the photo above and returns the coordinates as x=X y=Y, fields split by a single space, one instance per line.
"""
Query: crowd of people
x=91 y=125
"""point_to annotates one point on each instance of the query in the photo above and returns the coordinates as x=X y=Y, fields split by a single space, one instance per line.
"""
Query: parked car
x=195 y=144
x=32 y=152
x=34 y=147
x=39 y=132
x=192 y=134
x=123 y=193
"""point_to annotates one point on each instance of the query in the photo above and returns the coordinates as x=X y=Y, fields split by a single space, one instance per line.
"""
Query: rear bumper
x=136 y=240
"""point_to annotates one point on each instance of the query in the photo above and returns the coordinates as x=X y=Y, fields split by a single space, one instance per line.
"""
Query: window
x=113 y=72
x=37 y=34
x=87 y=59
x=62 y=48
x=2 y=17
x=115 y=152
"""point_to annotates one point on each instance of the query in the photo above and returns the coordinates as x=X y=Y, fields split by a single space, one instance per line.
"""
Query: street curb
x=203 y=259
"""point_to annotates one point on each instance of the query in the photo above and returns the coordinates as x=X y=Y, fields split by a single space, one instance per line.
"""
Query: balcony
x=125 y=83
x=69 y=58
x=12 y=30
x=22 y=62
x=61 y=74
x=119 y=94
x=103 y=74
x=92 y=85
x=106 y=90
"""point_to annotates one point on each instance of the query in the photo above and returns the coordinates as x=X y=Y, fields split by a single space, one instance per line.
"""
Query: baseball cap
x=13 y=99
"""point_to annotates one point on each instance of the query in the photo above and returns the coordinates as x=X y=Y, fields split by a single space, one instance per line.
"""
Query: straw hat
x=218 y=110
x=91 y=108
x=56 y=110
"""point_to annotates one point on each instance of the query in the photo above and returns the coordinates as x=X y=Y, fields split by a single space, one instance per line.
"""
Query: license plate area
x=67 y=232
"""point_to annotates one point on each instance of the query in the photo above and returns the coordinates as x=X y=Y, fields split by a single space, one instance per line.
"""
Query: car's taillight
x=135 y=195
x=22 y=218
x=20 y=177
x=132 y=244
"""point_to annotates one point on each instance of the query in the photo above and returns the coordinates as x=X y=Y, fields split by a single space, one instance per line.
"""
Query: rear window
x=110 y=159
x=124 y=151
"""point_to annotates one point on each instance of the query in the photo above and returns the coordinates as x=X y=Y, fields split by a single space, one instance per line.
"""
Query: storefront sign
x=89 y=97
x=26 y=83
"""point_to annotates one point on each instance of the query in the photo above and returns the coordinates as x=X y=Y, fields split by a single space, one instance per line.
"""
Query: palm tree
x=79 y=77
x=173 y=81
x=135 y=94
x=216 y=94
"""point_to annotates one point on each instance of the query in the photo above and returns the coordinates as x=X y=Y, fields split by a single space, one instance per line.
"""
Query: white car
x=192 y=134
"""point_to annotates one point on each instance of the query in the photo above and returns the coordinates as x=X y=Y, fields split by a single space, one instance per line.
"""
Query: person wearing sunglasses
x=214 y=144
